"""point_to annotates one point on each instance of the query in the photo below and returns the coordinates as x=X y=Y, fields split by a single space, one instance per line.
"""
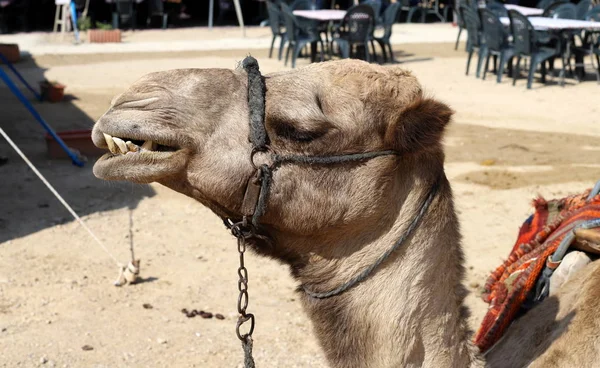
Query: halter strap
x=258 y=187
x=256 y=103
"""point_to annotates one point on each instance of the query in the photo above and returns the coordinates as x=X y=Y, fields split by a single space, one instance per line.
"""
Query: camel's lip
x=142 y=167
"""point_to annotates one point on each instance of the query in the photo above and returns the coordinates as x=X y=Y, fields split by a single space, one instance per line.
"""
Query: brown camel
x=188 y=130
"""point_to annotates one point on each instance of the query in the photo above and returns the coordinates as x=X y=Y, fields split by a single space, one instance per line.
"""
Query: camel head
x=188 y=130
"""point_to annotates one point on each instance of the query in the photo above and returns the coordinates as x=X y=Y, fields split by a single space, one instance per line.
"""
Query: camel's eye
x=288 y=131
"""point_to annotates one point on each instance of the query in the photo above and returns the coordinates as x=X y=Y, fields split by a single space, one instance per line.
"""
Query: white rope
x=58 y=196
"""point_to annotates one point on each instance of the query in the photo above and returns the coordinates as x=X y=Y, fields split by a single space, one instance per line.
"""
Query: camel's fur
x=328 y=223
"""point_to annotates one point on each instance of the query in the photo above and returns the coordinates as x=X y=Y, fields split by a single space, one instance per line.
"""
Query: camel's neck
x=408 y=312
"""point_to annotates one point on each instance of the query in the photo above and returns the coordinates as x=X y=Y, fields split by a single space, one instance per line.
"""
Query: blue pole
x=76 y=160
x=11 y=67
x=74 y=20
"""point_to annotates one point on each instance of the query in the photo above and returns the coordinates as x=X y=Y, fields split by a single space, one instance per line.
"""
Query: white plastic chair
x=62 y=17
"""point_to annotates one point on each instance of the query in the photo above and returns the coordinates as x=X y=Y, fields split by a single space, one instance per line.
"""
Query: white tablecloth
x=322 y=15
x=525 y=10
x=540 y=23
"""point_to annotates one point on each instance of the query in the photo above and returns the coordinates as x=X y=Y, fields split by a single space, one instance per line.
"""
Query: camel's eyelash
x=288 y=131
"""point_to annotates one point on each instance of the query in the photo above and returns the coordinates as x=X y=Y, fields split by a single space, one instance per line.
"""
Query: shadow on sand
x=26 y=205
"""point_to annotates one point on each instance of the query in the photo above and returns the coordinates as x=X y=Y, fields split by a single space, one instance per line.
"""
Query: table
x=324 y=15
x=238 y=12
x=559 y=26
x=524 y=10
x=551 y=24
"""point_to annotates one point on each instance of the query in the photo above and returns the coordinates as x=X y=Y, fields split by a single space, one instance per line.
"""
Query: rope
x=247 y=346
x=366 y=272
x=131 y=234
x=58 y=196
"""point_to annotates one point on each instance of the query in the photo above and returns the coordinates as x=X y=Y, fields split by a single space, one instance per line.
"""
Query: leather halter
x=257 y=189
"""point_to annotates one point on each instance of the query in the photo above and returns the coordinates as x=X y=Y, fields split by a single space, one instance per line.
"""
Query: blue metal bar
x=74 y=20
x=11 y=67
x=76 y=160
x=211 y=6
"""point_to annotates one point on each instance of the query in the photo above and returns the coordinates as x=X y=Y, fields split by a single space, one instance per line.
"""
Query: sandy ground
x=55 y=284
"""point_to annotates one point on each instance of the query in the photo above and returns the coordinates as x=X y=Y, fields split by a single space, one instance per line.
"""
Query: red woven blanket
x=508 y=286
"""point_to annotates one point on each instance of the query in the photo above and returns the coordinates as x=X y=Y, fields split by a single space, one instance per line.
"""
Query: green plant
x=84 y=23
x=104 y=26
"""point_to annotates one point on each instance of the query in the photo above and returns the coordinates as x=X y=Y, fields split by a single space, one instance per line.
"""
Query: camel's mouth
x=135 y=159
x=123 y=146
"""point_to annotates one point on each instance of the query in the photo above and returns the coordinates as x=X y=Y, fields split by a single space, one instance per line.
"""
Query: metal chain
x=240 y=232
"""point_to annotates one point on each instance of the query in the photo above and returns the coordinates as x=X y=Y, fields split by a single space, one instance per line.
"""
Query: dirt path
x=506 y=146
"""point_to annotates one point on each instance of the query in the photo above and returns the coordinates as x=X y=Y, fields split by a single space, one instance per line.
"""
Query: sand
x=505 y=146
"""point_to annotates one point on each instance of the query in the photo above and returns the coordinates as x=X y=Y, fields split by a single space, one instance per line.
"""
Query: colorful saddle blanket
x=509 y=285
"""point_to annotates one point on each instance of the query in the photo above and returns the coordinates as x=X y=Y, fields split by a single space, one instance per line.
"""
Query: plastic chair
x=62 y=16
x=124 y=14
x=410 y=6
x=496 y=41
x=298 y=37
x=543 y=4
x=474 y=40
x=527 y=46
x=275 y=21
x=583 y=7
x=376 y=10
x=590 y=45
x=564 y=11
x=156 y=9
x=389 y=18
x=356 y=29
x=497 y=8
x=302 y=5
x=460 y=22
x=551 y=8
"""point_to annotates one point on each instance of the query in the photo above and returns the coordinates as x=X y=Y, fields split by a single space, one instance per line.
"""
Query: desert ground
x=505 y=146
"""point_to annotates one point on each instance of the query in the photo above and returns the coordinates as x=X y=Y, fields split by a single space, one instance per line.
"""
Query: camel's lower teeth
x=118 y=146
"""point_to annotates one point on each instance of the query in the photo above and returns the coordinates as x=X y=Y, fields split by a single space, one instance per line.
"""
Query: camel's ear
x=420 y=125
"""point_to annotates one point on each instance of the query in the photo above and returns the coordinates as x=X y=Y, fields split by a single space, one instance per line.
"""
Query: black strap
x=256 y=103
x=259 y=139
x=367 y=271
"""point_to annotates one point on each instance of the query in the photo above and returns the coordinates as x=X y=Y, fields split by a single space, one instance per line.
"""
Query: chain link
x=242 y=231
x=243 y=299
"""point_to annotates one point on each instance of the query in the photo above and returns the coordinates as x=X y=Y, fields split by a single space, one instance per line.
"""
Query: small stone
x=161 y=341
x=49 y=322
x=43 y=360
x=198 y=334
x=488 y=162
x=206 y=314
x=87 y=348
x=3 y=329
x=147 y=306
x=219 y=316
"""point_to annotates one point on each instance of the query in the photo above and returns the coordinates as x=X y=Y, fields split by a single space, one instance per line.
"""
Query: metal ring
x=240 y=322
x=242 y=307
x=254 y=151
x=242 y=286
